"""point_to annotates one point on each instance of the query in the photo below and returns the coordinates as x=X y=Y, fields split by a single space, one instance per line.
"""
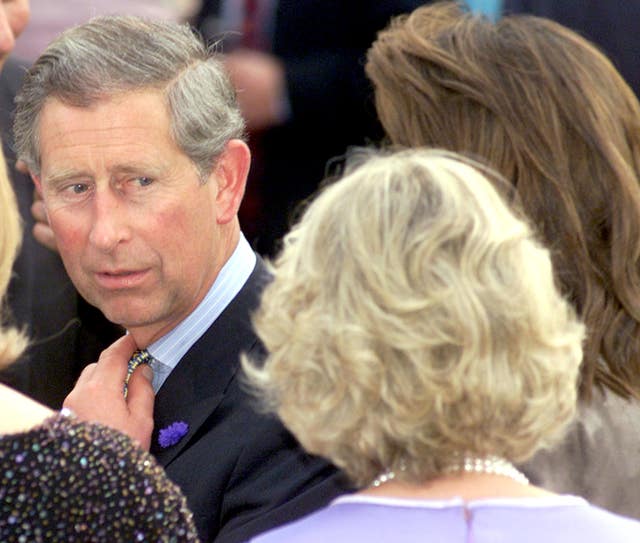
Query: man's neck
x=148 y=333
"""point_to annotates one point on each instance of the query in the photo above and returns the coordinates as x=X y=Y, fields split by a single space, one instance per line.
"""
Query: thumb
x=140 y=402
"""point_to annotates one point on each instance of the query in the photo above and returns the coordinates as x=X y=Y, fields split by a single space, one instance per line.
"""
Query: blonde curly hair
x=12 y=342
x=412 y=317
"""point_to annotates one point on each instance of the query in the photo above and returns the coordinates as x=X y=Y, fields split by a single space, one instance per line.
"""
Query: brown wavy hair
x=550 y=112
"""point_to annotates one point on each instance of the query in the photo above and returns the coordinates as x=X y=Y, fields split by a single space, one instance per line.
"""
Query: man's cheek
x=70 y=235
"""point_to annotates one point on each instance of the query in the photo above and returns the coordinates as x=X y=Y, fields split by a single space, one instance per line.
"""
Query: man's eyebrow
x=138 y=169
x=65 y=175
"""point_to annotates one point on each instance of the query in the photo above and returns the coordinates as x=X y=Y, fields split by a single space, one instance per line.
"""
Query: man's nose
x=109 y=228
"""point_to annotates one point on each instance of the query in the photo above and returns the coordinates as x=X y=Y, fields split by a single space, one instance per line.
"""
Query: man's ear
x=230 y=175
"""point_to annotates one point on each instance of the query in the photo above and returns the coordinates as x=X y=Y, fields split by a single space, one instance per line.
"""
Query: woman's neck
x=468 y=486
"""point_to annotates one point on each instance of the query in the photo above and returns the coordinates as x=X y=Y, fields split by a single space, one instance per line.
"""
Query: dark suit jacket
x=66 y=333
x=241 y=471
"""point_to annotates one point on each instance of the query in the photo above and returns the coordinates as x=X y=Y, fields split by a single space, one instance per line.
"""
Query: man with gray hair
x=132 y=134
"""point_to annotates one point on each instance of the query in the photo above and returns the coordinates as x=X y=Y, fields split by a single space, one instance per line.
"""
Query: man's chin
x=124 y=308
x=128 y=319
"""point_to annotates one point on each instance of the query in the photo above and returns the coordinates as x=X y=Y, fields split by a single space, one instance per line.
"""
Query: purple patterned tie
x=137 y=358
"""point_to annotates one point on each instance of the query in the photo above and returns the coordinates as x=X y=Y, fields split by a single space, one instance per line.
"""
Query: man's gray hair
x=114 y=54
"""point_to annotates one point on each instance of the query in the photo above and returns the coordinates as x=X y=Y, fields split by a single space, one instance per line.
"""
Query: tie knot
x=138 y=357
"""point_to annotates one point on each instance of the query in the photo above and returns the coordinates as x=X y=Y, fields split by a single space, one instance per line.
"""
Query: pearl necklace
x=491 y=464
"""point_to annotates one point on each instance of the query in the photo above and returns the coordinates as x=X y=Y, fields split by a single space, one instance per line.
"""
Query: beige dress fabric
x=599 y=458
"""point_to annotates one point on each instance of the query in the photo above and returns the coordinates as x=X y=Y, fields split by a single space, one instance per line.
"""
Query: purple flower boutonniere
x=172 y=434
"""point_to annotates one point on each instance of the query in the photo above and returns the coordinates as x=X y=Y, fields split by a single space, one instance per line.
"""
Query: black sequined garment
x=68 y=481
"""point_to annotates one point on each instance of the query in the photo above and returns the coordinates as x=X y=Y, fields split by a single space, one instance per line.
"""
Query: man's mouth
x=119 y=279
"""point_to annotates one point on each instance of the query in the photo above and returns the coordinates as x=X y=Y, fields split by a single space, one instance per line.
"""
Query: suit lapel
x=198 y=384
x=192 y=391
x=194 y=415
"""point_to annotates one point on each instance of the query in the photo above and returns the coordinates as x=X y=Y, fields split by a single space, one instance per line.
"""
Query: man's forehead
x=124 y=119
x=138 y=104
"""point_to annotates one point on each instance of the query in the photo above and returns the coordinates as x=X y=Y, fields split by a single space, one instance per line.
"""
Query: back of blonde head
x=413 y=317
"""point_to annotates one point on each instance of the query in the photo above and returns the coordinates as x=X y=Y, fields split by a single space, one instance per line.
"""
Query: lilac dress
x=555 y=519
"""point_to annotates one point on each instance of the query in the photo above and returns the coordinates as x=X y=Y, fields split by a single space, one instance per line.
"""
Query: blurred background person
x=298 y=68
x=14 y=15
x=613 y=25
x=49 y=18
x=548 y=110
x=416 y=339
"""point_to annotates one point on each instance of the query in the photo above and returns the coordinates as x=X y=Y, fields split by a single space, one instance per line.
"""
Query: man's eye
x=144 y=181
x=78 y=188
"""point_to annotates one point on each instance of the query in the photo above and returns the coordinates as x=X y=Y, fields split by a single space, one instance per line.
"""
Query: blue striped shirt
x=170 y=348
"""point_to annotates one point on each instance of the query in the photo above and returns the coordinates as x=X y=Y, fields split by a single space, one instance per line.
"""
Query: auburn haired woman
x=547 y=110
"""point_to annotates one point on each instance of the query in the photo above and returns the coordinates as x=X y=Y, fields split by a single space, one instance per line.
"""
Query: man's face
x=14 y=15
x=135 y=226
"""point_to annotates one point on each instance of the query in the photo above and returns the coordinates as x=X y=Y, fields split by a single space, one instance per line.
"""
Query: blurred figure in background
x=613 y=25
x=416 y=339
x=298 y=68
x=49 y=18
x=548 y=110
x=14 y=15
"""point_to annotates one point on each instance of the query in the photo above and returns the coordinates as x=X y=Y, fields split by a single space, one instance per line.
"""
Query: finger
x=140 y=401
x=22 y=167
x=141 y=395
x=87 y=374
x=85 y=377
x=38 y=209
x=112 y=364
x=44 y=235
